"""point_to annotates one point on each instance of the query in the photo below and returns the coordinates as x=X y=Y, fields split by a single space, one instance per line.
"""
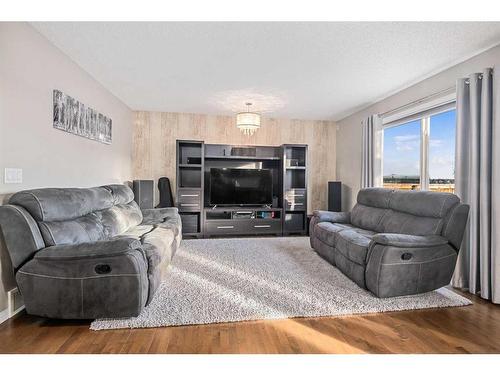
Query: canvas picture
x=74 y=117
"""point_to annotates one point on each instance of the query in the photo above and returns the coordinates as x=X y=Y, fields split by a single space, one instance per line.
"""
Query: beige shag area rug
x=231 y=280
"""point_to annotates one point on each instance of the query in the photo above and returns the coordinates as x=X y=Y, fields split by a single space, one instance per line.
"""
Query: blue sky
x=402 y=147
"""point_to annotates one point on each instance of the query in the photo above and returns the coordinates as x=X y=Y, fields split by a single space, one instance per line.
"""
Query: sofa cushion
x=375 y=197
x=401 y=222
x=368 y=217
x=87 y=228
x=157 y=241
x=121 y=194
x=365 y=232
x=57 y=204
x=423 y=203
x=162 y=239
x=353 y=245
x=326 y=231
x=137 y=231
x=118 y=219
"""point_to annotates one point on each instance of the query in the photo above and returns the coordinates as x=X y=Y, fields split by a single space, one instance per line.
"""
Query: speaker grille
x=335 y=196
x=144 y=193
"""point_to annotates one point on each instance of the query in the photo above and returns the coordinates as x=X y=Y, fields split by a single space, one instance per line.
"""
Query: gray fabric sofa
x=87 y=253
x=393 y=242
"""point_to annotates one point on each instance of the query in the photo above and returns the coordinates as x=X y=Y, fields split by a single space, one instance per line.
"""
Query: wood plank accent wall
x=155 y=134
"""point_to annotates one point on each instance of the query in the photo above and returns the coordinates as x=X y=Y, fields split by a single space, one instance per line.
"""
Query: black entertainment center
x=241 y=190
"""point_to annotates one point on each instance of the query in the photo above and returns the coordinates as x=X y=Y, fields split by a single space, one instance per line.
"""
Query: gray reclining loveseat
x=393 y=242
x=87 y=253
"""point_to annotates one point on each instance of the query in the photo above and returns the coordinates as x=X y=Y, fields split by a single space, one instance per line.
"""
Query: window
x=442 y=152
x=402 y=156
x=419 y=154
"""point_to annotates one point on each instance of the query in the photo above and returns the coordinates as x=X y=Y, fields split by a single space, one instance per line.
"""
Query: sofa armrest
x=408 y=241
x=114 y=247
x=332 y=217
x=394 y=269
x=158 y=215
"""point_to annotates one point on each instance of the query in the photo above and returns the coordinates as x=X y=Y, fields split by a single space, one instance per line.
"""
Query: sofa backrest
x=71 y=215
x=398 y=211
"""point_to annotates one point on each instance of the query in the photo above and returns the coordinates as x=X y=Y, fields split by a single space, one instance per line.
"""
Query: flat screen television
x=241 y=187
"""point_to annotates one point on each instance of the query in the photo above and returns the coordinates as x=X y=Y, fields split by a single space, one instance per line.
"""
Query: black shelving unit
x=190 y=186
x=294 y=189
x=288 y=214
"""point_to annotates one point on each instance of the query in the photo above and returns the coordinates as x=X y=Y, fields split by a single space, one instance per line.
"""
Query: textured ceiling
x=294 y=70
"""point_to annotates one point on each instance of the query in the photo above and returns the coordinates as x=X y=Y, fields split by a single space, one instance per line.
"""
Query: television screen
x=238 y=187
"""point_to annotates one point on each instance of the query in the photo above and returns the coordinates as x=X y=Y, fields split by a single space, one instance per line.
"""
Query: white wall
x=30 y=68
x=349 y=134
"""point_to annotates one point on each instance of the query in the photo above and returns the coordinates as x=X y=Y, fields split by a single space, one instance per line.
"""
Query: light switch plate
x=13 y=176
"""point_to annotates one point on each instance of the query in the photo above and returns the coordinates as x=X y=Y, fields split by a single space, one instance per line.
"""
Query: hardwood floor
x=469 y=329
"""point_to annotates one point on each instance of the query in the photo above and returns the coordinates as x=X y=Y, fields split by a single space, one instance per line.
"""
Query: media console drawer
x=251 y=226
x=223 y=227
x=189 y=199
x=265 y=226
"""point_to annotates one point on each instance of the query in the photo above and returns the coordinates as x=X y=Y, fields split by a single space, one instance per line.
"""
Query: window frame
x=425 y=123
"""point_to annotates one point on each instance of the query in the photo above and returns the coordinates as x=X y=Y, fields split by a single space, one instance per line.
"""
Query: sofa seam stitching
x=418 y=278
x=379 y=271
x=327 y=244
x=442 y=207
x=147 y=270
x=349 y=259
x=79 y=257
x=85 y=230
x=445 y=226
x=423 y=262
x=382 y=217
x=25 y=217
x=404 y=223
x=50 y=232
x=77 y=278
x=42 y=214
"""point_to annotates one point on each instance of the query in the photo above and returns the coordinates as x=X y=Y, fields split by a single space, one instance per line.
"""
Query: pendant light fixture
x=248 y=122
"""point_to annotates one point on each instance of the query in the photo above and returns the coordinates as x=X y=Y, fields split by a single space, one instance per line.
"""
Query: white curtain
x=477 y=178
x=368 y=162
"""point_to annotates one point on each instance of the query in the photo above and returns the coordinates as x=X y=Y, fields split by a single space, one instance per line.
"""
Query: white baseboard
x=14 y=298
x=4 y=315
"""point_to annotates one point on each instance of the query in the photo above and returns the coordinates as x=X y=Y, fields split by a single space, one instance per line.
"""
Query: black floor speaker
x=334 y=196
x=143 y=193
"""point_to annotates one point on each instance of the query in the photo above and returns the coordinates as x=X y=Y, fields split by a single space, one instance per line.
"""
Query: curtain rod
x=418 y=101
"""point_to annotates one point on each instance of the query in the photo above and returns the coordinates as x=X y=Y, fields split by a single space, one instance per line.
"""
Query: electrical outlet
x=16 y=302
x=13 y=176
